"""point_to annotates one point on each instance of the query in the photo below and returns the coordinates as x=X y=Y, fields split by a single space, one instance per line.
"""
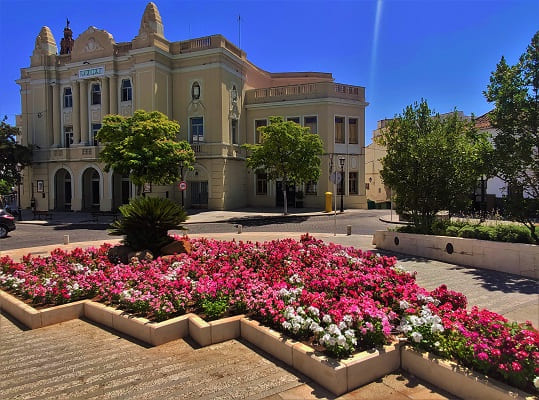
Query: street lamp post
x=19 y=169
x=341 y=162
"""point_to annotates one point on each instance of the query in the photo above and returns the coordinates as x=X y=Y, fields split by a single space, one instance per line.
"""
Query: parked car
x=7 y=223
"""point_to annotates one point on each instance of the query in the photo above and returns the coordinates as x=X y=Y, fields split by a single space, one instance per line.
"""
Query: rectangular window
x=197 y=129
x=339 y=129
x=96 y=94
x=234 y=131
x=353 y=135
x=293 y=119
x=367 y=186
x=95 y=129
x=311 y=123
x=261 y=184
x=352 y=183
x=127 y=90
x=68 y=136
x=68 y=98
x=310 y=187
x=259 y=123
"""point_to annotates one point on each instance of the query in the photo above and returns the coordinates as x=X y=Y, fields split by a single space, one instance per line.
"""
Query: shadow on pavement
x=257 y=221
x=92 y=227
x=504 y=282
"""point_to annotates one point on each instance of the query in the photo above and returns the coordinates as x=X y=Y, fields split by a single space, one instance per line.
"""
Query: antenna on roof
x=239 y=31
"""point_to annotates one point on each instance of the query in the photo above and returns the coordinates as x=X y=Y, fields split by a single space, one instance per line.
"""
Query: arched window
x=127 y=91
x=96 y=93
x=195 y=91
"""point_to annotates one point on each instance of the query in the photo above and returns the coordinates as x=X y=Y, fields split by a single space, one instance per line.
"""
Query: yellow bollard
x=328 y=201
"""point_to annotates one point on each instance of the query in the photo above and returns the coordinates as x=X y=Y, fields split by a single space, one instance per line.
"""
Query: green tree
x=514 y=92
x=145 y=146
x=432 y=162
x=288 y=152
x=11 y=154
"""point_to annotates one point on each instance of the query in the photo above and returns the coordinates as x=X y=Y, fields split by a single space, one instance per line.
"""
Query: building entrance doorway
x=90 y=190
x=199 y=194
x=290 y=195
x=62 y=190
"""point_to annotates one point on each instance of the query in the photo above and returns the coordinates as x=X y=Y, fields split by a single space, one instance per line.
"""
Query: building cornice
x=323 y=100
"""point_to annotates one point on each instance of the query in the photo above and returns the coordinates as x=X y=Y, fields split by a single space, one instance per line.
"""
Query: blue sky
x=401 y=51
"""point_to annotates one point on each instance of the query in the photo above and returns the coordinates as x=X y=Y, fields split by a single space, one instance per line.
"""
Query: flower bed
x=341 y=299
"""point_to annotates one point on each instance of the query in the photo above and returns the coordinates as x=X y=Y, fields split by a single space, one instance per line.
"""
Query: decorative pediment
x=151 y=27
x=45 y=45
x=93 y=43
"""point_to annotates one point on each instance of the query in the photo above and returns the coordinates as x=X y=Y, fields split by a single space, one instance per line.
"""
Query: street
x=363 y=222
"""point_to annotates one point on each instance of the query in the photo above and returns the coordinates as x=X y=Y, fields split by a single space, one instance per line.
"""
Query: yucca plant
x=145 y=223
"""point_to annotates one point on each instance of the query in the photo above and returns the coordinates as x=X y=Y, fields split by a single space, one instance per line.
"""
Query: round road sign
x=182 y=185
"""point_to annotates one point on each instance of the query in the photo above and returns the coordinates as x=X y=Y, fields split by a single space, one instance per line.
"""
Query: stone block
x=99 y=313
x=136 y=327
x=62 y=313
x=267 y=339
x=199 y=330
x=177 y=247
x=367 y=366
x=172 y=329
x=20 y=311
x=225 y=329
x=327 y=372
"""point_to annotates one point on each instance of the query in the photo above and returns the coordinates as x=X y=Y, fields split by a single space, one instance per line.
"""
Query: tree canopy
x=145 y=146
x=11 y=154
x=287 y=152
x=514 y=92
x=432 y=162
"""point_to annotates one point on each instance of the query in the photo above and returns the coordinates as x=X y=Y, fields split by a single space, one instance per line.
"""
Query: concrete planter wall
x=337 y=376
x=515 y=258
x=457 y=380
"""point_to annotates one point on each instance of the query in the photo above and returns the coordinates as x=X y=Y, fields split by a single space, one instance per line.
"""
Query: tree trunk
x=285 y=200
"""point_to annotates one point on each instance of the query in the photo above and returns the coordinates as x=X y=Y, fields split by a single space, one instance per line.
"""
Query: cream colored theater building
x=209 y=86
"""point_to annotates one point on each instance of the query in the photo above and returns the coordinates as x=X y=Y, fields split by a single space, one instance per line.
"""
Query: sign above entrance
x=91 y=72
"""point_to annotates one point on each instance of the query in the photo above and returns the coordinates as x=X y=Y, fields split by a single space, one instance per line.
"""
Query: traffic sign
x=182 y=185
x=335 y=177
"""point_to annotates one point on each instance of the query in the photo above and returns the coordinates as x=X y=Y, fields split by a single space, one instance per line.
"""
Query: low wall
x=514 y=258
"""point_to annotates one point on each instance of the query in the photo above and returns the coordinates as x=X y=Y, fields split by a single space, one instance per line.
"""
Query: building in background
x=208 y=86
x=375 y=189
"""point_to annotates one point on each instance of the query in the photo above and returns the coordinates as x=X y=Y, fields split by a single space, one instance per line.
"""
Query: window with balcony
x=352 y=183
x=127 y=90
x=196 y=125
x=68 y=98
x=353 y=136
x=234 y=131
x=93 y=139
x=311 y=123
x=261 y=184
x=259 y=123
x=96 y=94
x=68 y=136
x=339 y=129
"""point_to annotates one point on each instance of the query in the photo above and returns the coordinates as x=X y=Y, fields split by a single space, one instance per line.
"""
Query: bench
x=42 y=214
x=97 y=214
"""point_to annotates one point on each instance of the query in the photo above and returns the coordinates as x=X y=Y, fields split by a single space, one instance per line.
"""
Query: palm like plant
x=145 y=223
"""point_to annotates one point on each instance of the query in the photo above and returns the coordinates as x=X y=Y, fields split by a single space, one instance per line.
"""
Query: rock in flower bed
x=342 y=299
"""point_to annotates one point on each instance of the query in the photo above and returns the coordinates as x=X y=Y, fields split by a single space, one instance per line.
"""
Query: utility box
x=329 y=196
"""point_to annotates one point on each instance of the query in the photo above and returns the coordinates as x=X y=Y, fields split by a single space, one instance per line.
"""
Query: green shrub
x=513 y=233
x=145 y=223
x=467 y=231
x=452 y=230
x=485 y=232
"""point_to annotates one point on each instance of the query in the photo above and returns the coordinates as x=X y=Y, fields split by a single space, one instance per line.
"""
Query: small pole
x=66 y=239
x=335 y=209
x=348 y=230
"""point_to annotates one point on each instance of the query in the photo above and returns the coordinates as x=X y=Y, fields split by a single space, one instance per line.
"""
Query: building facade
x=209 y=86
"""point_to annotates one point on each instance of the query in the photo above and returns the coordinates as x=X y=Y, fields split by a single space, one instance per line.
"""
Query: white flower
x=416 y=337
x=334 y=329
x=403 y=305
x=313 y=310
x=436 y=328
x=536 y=382
x=327 y=319
x=342 y=325
x=348 y=320
x=437 y=344
x=341 y=340
x=287 y=325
